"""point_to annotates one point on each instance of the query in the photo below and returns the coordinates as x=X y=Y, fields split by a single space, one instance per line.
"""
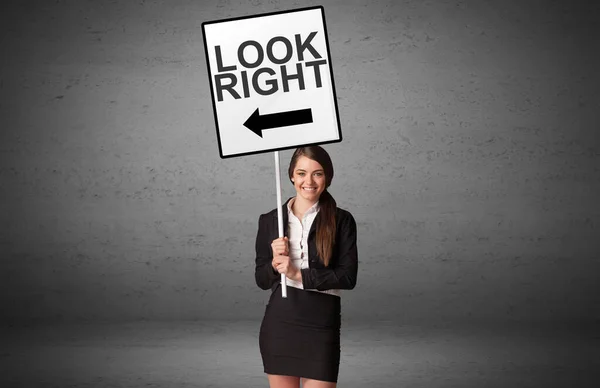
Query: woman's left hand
x=283 y=264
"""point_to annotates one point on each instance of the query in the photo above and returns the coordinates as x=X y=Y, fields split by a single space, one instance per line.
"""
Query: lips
x=309 y=188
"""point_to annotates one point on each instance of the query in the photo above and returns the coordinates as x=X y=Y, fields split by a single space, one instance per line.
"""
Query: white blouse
x=298 y=243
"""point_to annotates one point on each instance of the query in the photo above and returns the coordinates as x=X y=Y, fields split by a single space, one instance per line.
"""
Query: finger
x=280 y=259
x=277 y=246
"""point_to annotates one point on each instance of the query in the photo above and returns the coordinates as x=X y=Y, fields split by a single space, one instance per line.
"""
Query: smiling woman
x=309 y=181
x=300 y=335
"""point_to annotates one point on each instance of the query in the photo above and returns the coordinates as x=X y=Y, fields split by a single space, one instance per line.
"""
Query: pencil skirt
x=300 y=335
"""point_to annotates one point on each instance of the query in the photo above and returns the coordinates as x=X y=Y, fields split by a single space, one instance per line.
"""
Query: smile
x=309 y=188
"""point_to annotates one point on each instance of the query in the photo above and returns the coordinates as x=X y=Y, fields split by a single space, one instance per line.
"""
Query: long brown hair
x=327 y=205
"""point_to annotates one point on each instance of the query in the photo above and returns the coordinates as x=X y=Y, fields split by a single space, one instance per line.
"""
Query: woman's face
x=309 y=179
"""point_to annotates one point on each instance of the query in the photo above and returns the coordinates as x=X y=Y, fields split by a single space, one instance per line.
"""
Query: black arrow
x=257 y=123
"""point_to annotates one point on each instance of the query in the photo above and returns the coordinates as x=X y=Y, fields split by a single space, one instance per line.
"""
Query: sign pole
x=279 y=216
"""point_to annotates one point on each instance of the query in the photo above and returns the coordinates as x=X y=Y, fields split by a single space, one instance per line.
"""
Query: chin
x=311 y=196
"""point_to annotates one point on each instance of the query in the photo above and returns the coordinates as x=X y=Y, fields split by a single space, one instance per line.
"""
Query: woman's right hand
x=281 y=259
x=280 y=247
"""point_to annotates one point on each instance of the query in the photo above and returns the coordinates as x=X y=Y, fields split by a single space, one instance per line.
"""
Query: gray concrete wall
x=469 y=161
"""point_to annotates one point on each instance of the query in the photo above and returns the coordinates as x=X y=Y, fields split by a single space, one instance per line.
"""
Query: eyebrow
x=300 y=169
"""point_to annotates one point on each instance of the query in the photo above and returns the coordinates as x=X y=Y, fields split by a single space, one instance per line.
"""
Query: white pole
x=279 y=216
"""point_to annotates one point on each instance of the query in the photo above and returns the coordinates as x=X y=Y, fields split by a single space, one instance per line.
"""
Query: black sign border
x=214 y=103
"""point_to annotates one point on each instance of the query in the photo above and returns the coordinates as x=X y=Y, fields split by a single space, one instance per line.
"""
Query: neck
x=301 y=205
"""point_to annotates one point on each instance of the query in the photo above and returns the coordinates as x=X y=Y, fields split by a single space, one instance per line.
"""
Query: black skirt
x=300 y=335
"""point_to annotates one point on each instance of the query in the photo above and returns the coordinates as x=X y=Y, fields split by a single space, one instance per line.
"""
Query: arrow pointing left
x=258 y=123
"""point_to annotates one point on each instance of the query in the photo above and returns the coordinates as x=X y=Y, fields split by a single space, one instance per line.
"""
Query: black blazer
x=343 y=266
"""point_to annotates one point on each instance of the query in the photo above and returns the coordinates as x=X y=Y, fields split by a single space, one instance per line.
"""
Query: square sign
x=271 y=82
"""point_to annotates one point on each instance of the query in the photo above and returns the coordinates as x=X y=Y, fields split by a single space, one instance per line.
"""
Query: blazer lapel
x=284 y=213
x=313 y=227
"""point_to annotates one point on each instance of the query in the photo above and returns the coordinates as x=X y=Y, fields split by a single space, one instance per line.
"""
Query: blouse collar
x=313 y=209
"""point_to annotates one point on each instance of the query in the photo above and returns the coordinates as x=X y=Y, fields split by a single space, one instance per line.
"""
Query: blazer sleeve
x=264 y=273
x=343 y=275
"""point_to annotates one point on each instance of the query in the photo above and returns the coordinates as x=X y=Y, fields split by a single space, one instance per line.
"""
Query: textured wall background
x=470 y=162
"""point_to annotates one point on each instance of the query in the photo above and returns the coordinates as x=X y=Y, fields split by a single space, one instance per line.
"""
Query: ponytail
x=326 y=227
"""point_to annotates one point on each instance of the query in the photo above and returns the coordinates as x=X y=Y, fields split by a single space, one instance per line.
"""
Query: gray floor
x=225 y=354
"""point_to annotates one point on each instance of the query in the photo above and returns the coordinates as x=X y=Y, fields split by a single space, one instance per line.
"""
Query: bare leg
x=309 y=383
x=279 y=381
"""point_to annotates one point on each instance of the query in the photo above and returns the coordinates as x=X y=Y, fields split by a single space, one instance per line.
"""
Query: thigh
x=310 y=383
x=279 y=381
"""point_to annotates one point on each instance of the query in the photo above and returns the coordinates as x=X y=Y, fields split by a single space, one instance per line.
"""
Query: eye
x=318 y=173
x=300 y=173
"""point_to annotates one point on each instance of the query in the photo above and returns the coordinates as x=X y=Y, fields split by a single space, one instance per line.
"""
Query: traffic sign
x=271 y=81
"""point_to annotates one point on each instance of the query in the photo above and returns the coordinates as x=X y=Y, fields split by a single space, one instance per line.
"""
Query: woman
x=300 y=335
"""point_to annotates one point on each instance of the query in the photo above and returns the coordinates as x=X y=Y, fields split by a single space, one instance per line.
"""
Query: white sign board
x=271 y=82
